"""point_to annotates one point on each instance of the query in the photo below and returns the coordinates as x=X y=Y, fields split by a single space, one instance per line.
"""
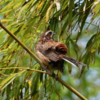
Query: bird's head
x=47 y=35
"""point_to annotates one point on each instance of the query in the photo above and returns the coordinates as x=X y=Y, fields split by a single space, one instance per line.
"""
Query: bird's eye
x=50 y=33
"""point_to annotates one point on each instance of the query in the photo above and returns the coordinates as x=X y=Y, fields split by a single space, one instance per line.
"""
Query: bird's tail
x=72 y=61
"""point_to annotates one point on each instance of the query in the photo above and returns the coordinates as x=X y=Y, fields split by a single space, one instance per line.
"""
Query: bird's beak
x=54 y=33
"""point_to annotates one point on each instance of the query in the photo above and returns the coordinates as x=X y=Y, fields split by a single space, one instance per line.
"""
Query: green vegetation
x=76 y=24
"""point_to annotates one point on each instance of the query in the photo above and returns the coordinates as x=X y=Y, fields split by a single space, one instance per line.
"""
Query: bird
x=52 y=53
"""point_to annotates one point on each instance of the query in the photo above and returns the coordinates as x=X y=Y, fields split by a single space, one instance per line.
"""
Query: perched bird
x=53 y=54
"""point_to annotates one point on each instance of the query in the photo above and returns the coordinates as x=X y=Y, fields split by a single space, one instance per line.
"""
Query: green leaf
x=8 y=80
x=71 y=4
x=97 y=7
x=74 y=45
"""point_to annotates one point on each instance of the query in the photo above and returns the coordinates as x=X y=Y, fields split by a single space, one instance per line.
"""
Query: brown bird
x=52 y=53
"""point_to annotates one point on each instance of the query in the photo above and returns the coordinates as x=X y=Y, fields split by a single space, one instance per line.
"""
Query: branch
x=28 y=69
x=32 y=54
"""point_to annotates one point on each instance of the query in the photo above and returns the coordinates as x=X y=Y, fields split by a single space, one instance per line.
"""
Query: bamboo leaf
x=21 y=11
x=96 y=8
x=48 y=12
x=17 y=5
x=70 y=12
x=5 y=20
x=30 y=83
x=74 y=45
x=8 y=80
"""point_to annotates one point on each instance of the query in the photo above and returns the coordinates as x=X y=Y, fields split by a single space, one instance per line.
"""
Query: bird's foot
x=45 y=68
x=54 y=76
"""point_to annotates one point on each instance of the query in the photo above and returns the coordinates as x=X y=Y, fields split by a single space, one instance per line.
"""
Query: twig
x=28 y=69
x=31 y=54
x=72 y=89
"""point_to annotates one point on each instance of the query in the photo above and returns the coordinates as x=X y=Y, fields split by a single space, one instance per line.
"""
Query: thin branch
x=28 y=69
x=31 y=54
x=72 y=89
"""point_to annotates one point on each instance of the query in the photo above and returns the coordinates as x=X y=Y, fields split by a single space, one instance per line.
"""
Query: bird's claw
x=54 y=76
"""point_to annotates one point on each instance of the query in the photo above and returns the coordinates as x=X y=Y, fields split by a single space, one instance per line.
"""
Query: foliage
x=72 y=20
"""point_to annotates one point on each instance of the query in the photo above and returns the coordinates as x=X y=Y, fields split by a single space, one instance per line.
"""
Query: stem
x=72 y=89
x=32 y=54
x=28 y=69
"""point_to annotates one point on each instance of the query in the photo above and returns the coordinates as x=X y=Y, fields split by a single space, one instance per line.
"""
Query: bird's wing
x=52 y=50
x=41 y=56
x=47 y=51
x=50 y=54
x=58 y=46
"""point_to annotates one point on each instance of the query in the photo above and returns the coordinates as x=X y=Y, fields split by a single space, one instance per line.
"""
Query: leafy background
x=77 y=24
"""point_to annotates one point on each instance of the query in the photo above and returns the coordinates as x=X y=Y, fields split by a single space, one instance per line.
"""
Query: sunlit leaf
x=96 y=8
x=30 y=83
x=48 y=12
